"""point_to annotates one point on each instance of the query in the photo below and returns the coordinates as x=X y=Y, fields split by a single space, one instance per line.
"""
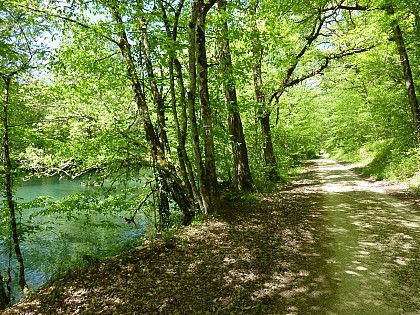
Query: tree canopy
x=207 y=95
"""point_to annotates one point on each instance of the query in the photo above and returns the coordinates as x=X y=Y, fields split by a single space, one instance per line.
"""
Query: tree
x=4 y=299
x=175 y=70
x=308 y=55
x=170 y=181
x=262 y=112
x=408 y=76
x=8 y=173
x=364 y=123
x=192 y=97
x=203 y=91
x=239 y=148
x=402 y=51
x=18 y=54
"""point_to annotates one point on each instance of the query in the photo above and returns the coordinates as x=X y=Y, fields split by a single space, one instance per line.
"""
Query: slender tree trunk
x=417 y=43
x=170 y=181
x=9 y=187
x=181 y=128
x=408 y=76
x=156 y=93
x=163 y=208
x=206 y=114
x=417 y=21
x=164 y=211
x=239 y=149
x=269 y=157
x=4 y=301
x=183 y=137
x=195 y=139
x=181 y=134
x=263 y=114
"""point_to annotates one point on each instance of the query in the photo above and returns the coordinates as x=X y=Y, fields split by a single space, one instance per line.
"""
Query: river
x=58 y=244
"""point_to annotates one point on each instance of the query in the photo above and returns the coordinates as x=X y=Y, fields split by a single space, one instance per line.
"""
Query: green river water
x=51 y=250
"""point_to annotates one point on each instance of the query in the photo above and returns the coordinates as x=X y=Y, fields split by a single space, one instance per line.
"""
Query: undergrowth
x=390 y=160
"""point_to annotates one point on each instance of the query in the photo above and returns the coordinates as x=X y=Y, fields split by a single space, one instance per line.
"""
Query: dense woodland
x=211 y=96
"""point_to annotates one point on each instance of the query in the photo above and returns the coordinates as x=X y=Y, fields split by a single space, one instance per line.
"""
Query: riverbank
x=55 y=239
x=212 y=267
x=284 y=253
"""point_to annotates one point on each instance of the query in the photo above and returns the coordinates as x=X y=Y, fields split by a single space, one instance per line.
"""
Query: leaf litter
x=252 y=258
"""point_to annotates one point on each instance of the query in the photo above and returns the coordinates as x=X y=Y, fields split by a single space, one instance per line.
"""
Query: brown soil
x=246 y=260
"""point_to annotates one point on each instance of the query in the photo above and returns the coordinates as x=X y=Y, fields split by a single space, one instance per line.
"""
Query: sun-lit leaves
x=73 y=110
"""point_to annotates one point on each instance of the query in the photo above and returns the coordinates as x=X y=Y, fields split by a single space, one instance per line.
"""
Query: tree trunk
x=164 y=211
x=156 y=93
x=181 y=134
x=181 y=128
x=206 y=114
x=170 y=181
x=408 y=76
x=239 y=149
x=163 y=208
x=4 y=301
x=183 y=137
x=269 y=157
x=417 y=21
x=9 y=187
x=263 y=114
x=195 y=139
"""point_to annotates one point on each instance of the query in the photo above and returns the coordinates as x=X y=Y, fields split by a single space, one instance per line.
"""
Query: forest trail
x=362 y=247
x=333 y=243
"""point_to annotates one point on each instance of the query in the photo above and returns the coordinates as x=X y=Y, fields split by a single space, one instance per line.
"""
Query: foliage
x=94 y=93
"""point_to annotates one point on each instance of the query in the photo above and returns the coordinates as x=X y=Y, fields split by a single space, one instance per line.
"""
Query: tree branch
x=107 y=57
x=207 y=6
x=325 y=64
x=356 y=7
x=56 y=119
x=133 y=215
x=315 y=33
x=68 y=19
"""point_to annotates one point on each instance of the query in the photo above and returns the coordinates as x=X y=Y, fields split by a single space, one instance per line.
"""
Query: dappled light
x=200 y=139
x=306 y=250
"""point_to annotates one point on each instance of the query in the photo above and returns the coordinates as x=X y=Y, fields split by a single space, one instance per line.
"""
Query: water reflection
x=58 y=244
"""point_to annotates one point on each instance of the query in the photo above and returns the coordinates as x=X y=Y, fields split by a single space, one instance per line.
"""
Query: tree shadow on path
x=326 y=245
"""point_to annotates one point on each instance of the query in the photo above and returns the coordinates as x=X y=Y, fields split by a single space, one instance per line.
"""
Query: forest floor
x=300 y=250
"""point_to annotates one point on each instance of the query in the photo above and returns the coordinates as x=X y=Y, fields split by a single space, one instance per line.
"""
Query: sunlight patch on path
x=374 y=241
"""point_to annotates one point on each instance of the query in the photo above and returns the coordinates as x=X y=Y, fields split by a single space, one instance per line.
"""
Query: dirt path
x=331 y=244
x=369 y=243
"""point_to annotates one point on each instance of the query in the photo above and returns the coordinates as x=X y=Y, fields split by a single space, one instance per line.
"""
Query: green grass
x=386 y=160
